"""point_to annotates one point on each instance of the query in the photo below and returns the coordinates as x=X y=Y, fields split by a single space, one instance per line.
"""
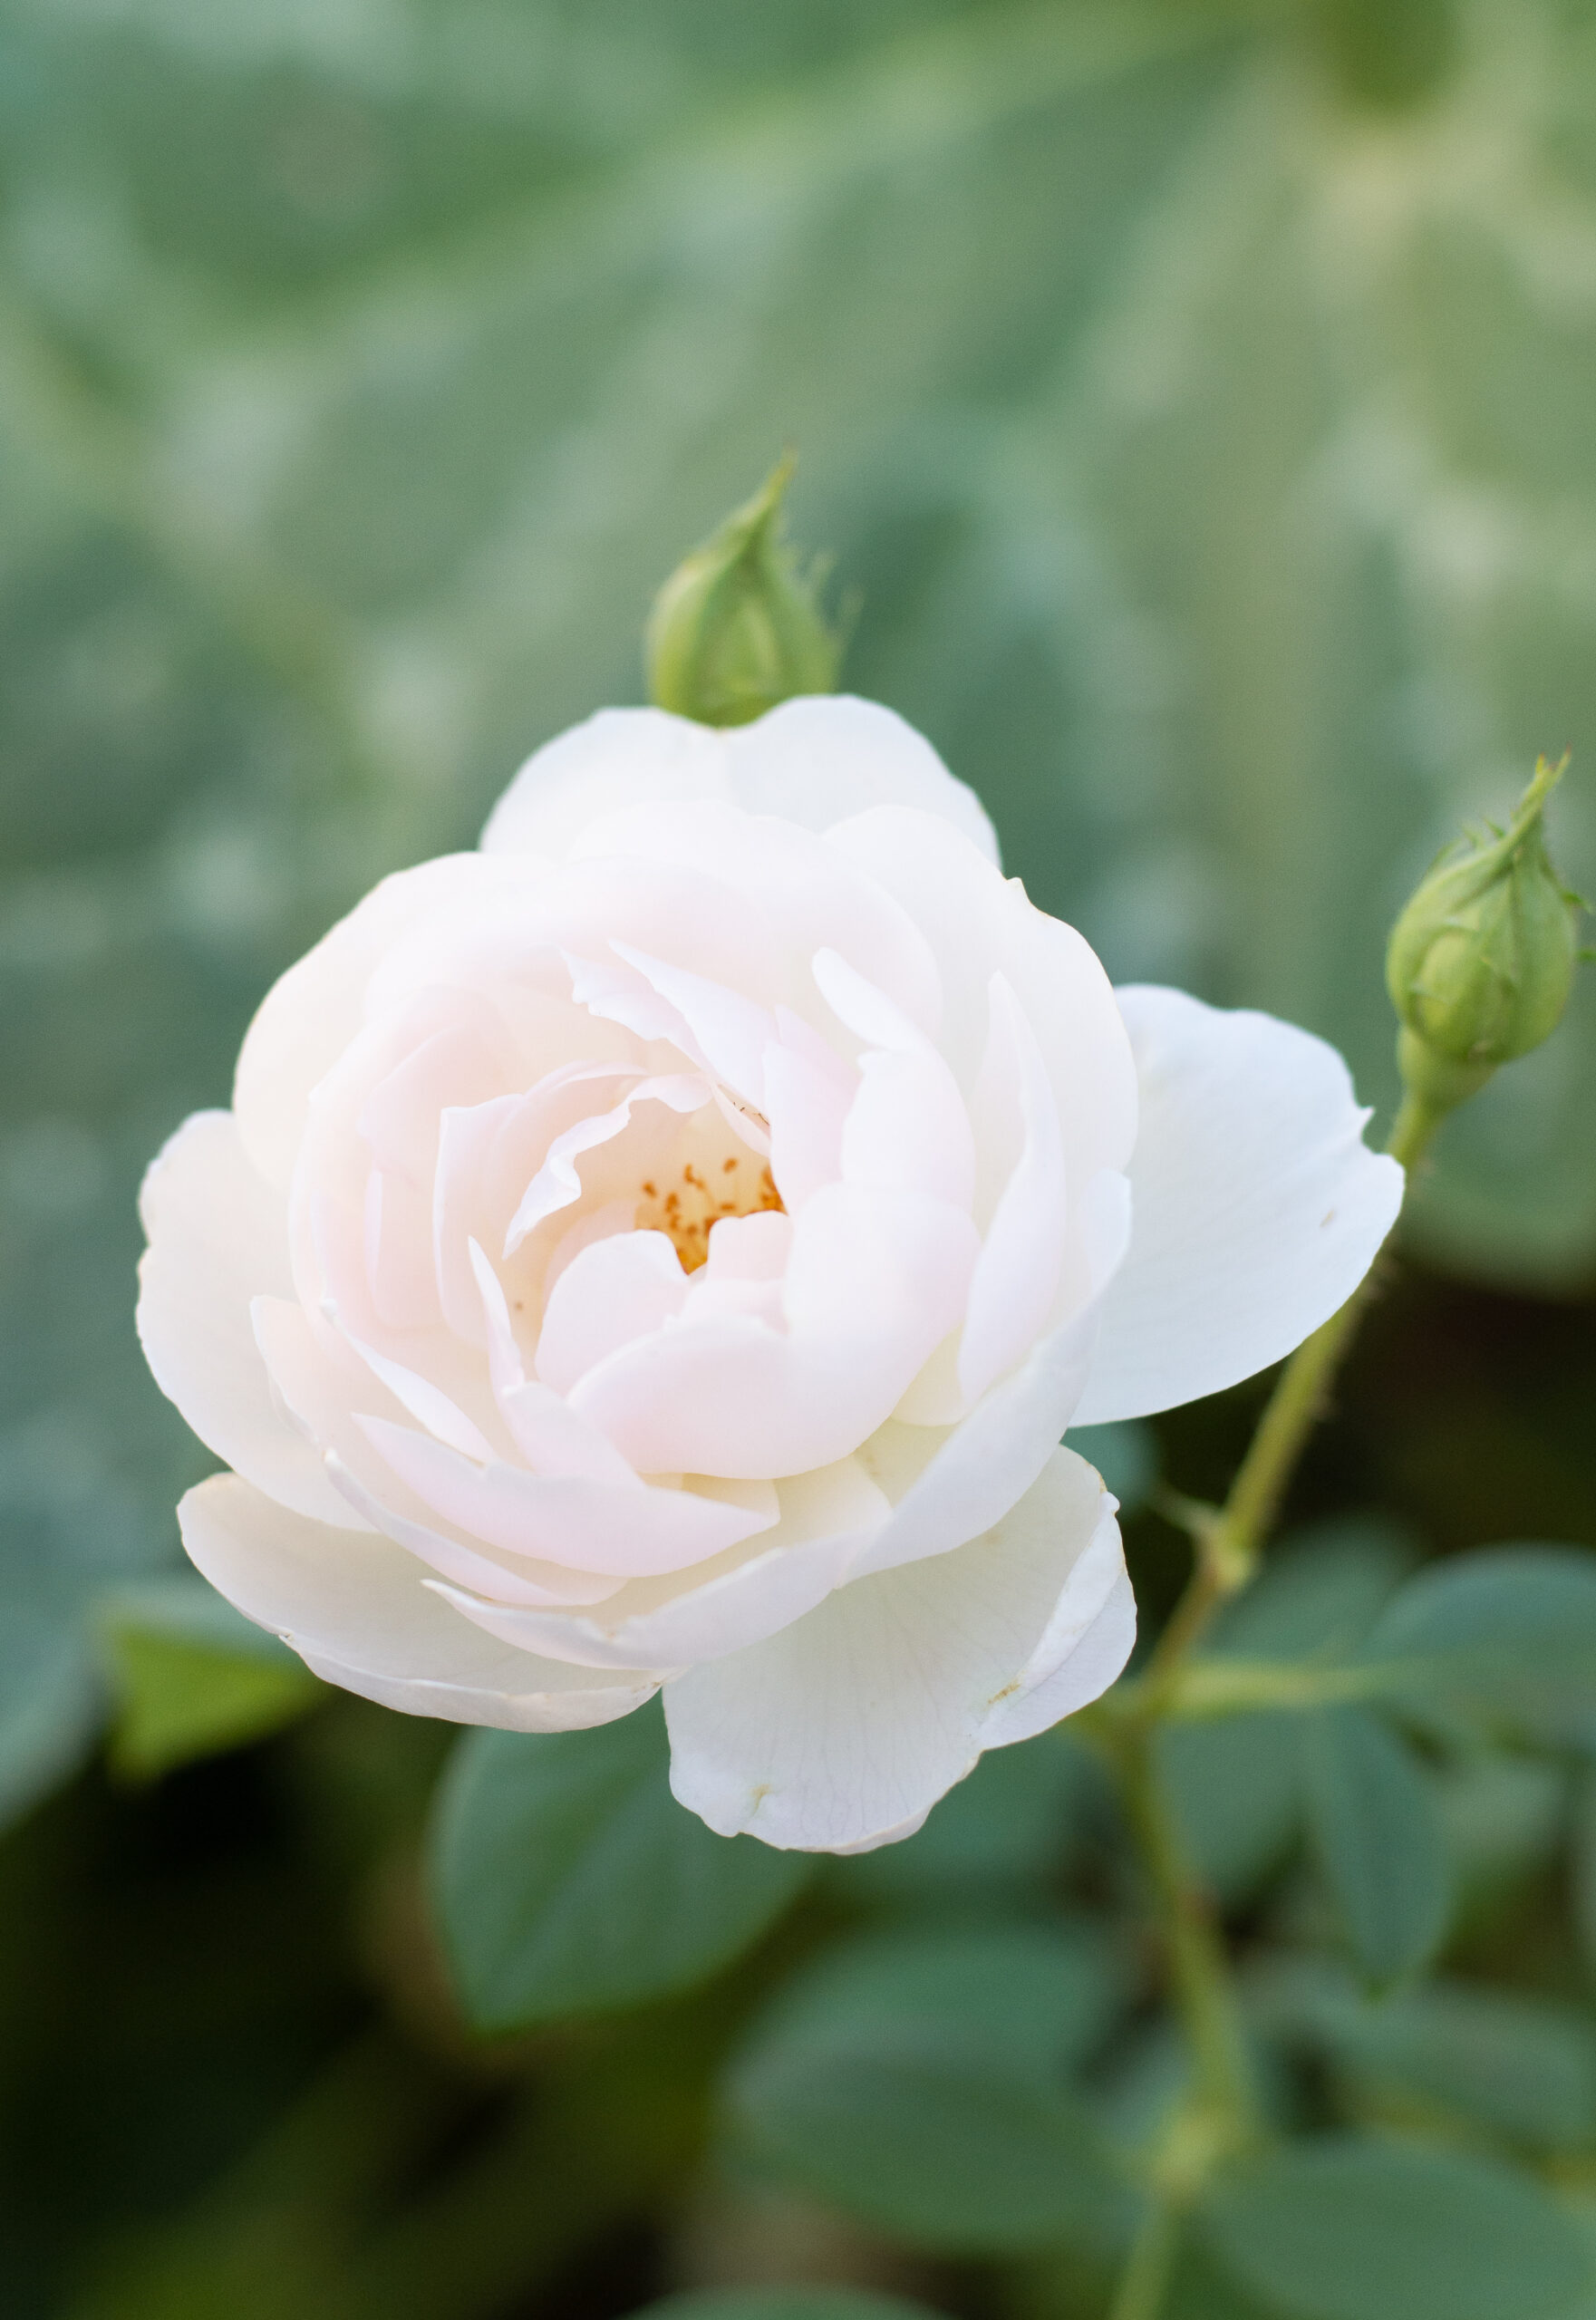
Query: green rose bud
x=738 y=625
x=1481 y=959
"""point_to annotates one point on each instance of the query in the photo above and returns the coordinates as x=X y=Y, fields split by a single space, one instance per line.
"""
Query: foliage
x=1196 y=396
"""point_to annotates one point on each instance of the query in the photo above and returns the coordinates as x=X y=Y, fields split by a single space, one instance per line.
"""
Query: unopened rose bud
x=737 y=626
x=1481 y=959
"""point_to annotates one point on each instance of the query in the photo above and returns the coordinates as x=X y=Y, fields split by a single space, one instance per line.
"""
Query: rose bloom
x=664 y=1250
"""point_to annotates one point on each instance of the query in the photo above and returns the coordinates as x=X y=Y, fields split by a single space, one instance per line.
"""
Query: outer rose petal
x=1257 y=1208
x=810 y=761
x=843 y=1731
x=947 y=1485
x=217 y=1239
x=359 y=1612
x=817 y=759
x=312 y=1013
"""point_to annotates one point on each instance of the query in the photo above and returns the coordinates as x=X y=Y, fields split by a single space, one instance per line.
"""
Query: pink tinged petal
x=782 y=894
x=873 y=1283
x=619 y=1290
x=907 y=1130
x=358 y=1610
x=622 y=1532
x=1017 y=1275
x=826 y=1517
x=1259 y=1208
x=731 y=1030
x=312 y=1013
x=401 y=1278
x=808 y=1105
x=424 y=1401
x=546 y=1429
x=486 y=1156
x=978 y=923
x=217 y=1238
x=748 y=1248
x=460 y=1065
x=616 y=993
x=865 y=1008
x=558 y=1185
x=530 y=1583
x=621 y=757
x=842 y=1730
x=821 y=758
x=947 y=1486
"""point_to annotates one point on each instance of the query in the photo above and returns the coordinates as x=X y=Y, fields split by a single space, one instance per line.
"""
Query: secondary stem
x=1196 y=1953
x=1228 y=1538
x=1223 y=2113
x=1145 y=2281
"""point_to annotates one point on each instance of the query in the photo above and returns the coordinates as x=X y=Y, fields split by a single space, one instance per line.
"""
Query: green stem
x=1197 y=1961
x=1224 y=2115
x=1228 y=1538
x=1145 y=2281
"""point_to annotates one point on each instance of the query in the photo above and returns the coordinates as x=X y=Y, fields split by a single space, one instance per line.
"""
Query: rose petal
x=217 y=1238
x=1021 y=1260
x=621 y=757
x=823 y=758
x=873 y=1284
x=358 y=1611
x=946 y=1486
x=978 y=923
x=826 y=1517
x=844 y=1729
x=620 y=1288
x=1258 y=1206
x=312 y=1013
x=565 y=1518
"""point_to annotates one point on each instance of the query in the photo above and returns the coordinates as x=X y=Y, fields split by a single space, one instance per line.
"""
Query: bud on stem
x=737 y=626
x=1481 y=959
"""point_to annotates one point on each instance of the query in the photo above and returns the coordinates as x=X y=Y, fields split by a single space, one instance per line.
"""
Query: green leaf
x=1376 y=1832
x=785 y=2304
x=567 y=1880
x=1521 y=2066
x=1008 y=1829
x=921 y=2083
x=1236 y=1782
x=1125 y=1452
x=192 y=1677
x=1346 y=2229
x=1507 y=1636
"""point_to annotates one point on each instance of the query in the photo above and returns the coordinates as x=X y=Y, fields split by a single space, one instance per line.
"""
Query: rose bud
x=1481 y=959
x=737 y=626
x=664 y=1250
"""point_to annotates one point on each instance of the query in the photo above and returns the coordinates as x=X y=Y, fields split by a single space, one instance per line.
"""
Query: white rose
x=665 y=1248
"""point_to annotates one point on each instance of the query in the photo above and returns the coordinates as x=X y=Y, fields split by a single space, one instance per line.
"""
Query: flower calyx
x=1481 y=961
x=737 y=626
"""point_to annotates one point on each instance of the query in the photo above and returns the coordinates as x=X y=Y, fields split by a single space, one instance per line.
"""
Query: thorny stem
x=1221 y=2116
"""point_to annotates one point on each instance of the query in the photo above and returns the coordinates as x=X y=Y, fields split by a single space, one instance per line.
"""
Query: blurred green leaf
x=1346 y=2230
x=1006 y=1834
x=1125 y=1452
x=192 y=1675
x=1508 y=1635
x=1524 y=2066
x=785 y=2304
x=921 y=2082
x=1237 y=1782
x=568 y=1880
x=1376 y=1832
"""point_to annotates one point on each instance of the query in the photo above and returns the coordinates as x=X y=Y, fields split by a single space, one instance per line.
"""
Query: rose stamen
x=687 y=1211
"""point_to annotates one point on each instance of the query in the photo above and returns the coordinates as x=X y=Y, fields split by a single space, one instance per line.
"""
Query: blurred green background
x=1201 y=401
